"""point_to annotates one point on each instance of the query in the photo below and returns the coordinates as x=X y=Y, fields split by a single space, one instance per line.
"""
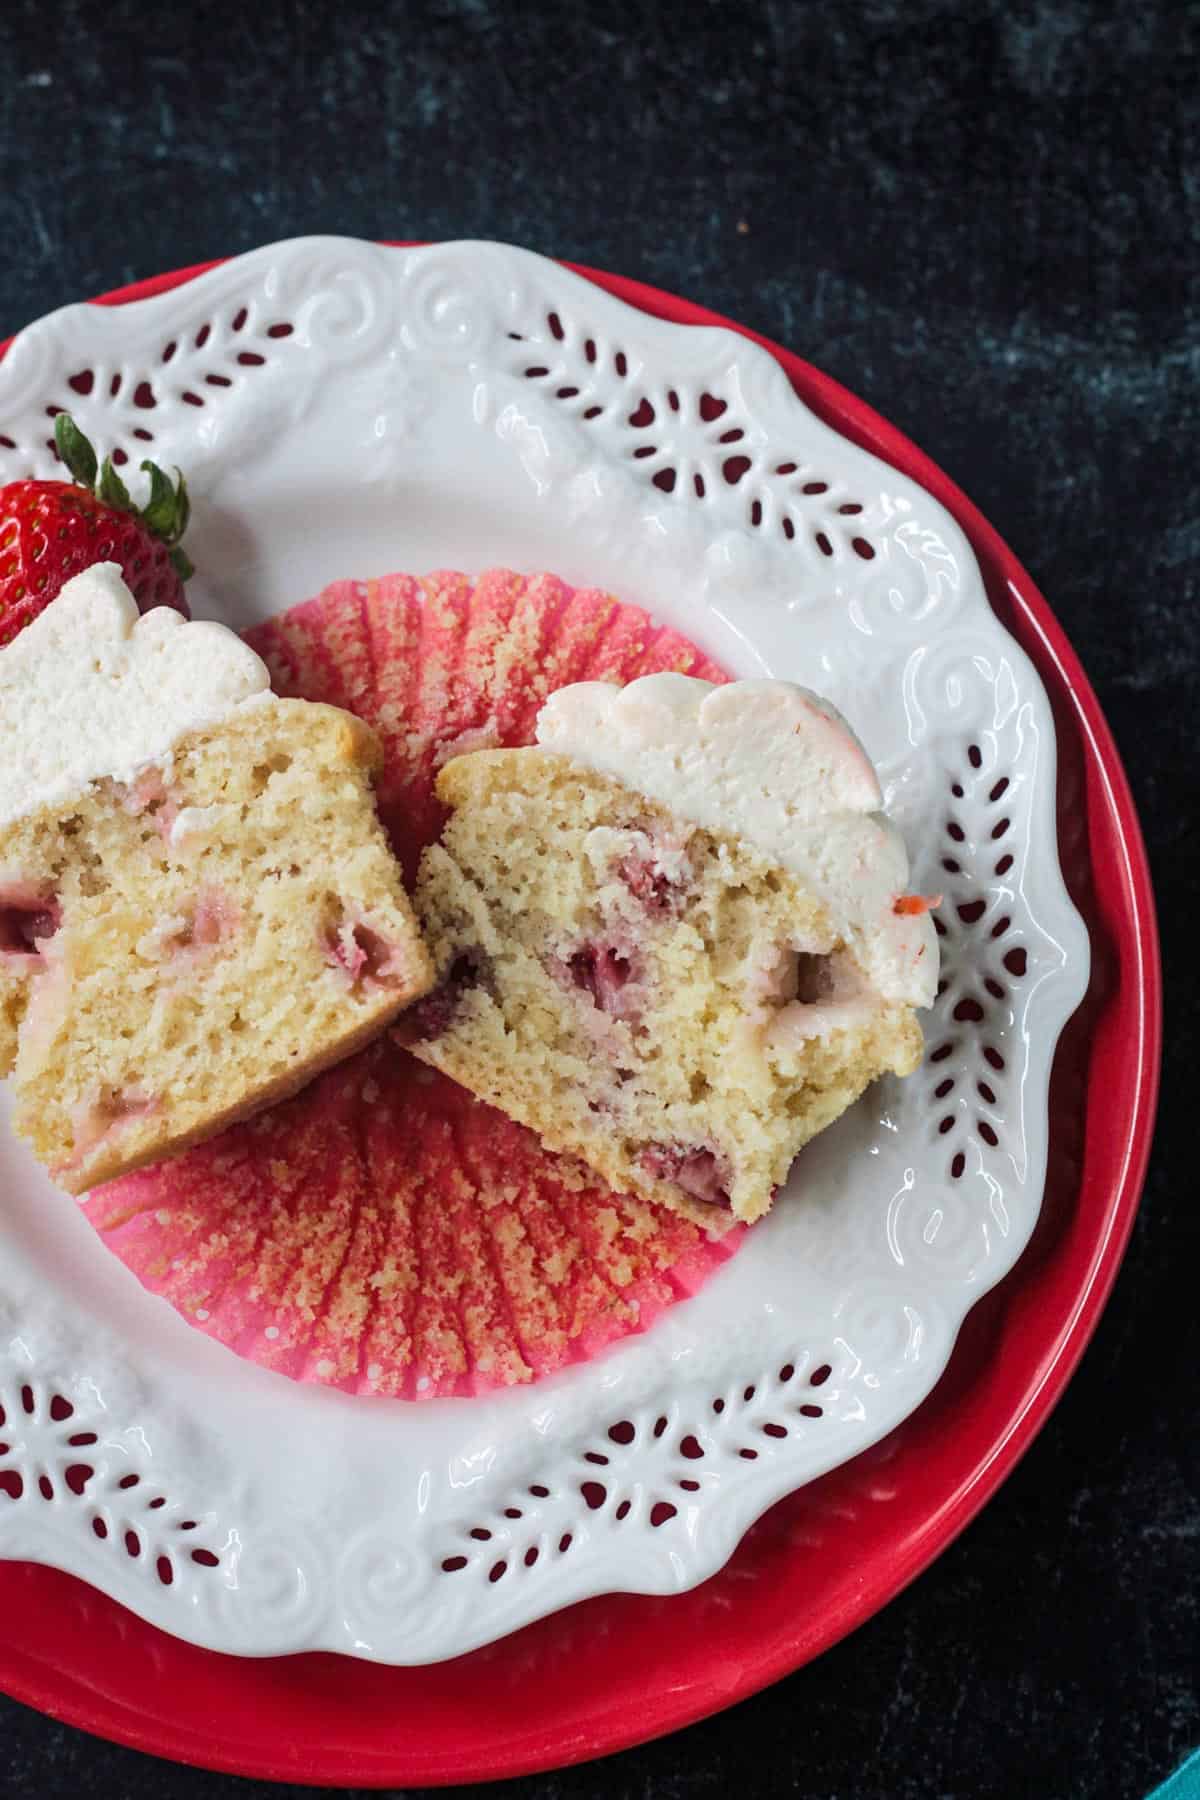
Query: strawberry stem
x=166 y=512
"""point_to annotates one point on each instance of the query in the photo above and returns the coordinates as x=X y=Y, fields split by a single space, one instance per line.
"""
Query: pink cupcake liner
x=384 y=1232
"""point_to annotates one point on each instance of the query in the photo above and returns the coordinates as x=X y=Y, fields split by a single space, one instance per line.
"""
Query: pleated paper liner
x=383 y=1231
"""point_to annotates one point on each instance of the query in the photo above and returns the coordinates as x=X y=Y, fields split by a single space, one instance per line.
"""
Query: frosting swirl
x=91 y=688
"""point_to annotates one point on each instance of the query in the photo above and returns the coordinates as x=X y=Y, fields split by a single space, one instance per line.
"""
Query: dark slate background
x=984 y=220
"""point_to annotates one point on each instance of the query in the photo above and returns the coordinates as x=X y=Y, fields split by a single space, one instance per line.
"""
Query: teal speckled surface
x=984 y=219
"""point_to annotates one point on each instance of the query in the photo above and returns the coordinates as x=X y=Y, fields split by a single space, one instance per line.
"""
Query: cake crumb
x=206 y=991
x=622 y=973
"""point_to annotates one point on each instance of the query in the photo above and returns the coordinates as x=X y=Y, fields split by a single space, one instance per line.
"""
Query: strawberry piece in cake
x=674 y=938
x=198 y=907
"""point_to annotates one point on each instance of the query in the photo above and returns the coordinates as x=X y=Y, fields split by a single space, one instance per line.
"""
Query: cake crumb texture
x=183 y=949
x=662 y=1001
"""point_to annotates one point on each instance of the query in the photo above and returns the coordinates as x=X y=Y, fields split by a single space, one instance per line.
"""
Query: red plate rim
x=615 y=1672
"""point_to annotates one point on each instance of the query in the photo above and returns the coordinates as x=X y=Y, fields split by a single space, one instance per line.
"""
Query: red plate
x=617 y=1671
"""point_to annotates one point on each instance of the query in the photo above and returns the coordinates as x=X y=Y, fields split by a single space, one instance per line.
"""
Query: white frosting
x=91 y=689
x=774 y=764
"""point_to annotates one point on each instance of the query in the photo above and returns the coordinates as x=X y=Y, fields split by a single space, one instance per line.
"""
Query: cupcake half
x=674 y=938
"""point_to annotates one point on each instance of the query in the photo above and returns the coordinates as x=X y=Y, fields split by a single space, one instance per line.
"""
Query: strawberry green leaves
x=111 y=489
x=75 y=450
x=165 y=514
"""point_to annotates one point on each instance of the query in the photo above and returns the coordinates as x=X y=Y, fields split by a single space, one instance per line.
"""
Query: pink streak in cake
x=48 y=999
x=697 y=1171
x=29 y=917
x=214 y=918
x=657 y=878
x=211 y=920
x=94 y=1121
x=608 y=974
x=148 y=793
x=430 y=1017
x=363 y=954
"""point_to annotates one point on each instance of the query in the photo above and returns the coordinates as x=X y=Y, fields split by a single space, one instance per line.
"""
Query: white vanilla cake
x=675 y=938
x=198 y=907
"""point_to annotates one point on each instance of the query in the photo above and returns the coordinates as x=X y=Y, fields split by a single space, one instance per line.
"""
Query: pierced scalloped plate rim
x=1110 y=1247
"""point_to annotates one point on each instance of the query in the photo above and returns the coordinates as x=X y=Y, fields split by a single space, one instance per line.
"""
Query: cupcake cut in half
x=674 y=937
x=198 y=907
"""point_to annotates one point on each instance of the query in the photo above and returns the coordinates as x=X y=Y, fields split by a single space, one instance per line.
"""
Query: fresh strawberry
x=911 y=906
x=697 y=1171
x=50 y=530
x=601 y=971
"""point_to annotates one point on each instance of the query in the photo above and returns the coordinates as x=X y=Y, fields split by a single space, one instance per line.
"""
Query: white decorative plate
x=344 y=409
